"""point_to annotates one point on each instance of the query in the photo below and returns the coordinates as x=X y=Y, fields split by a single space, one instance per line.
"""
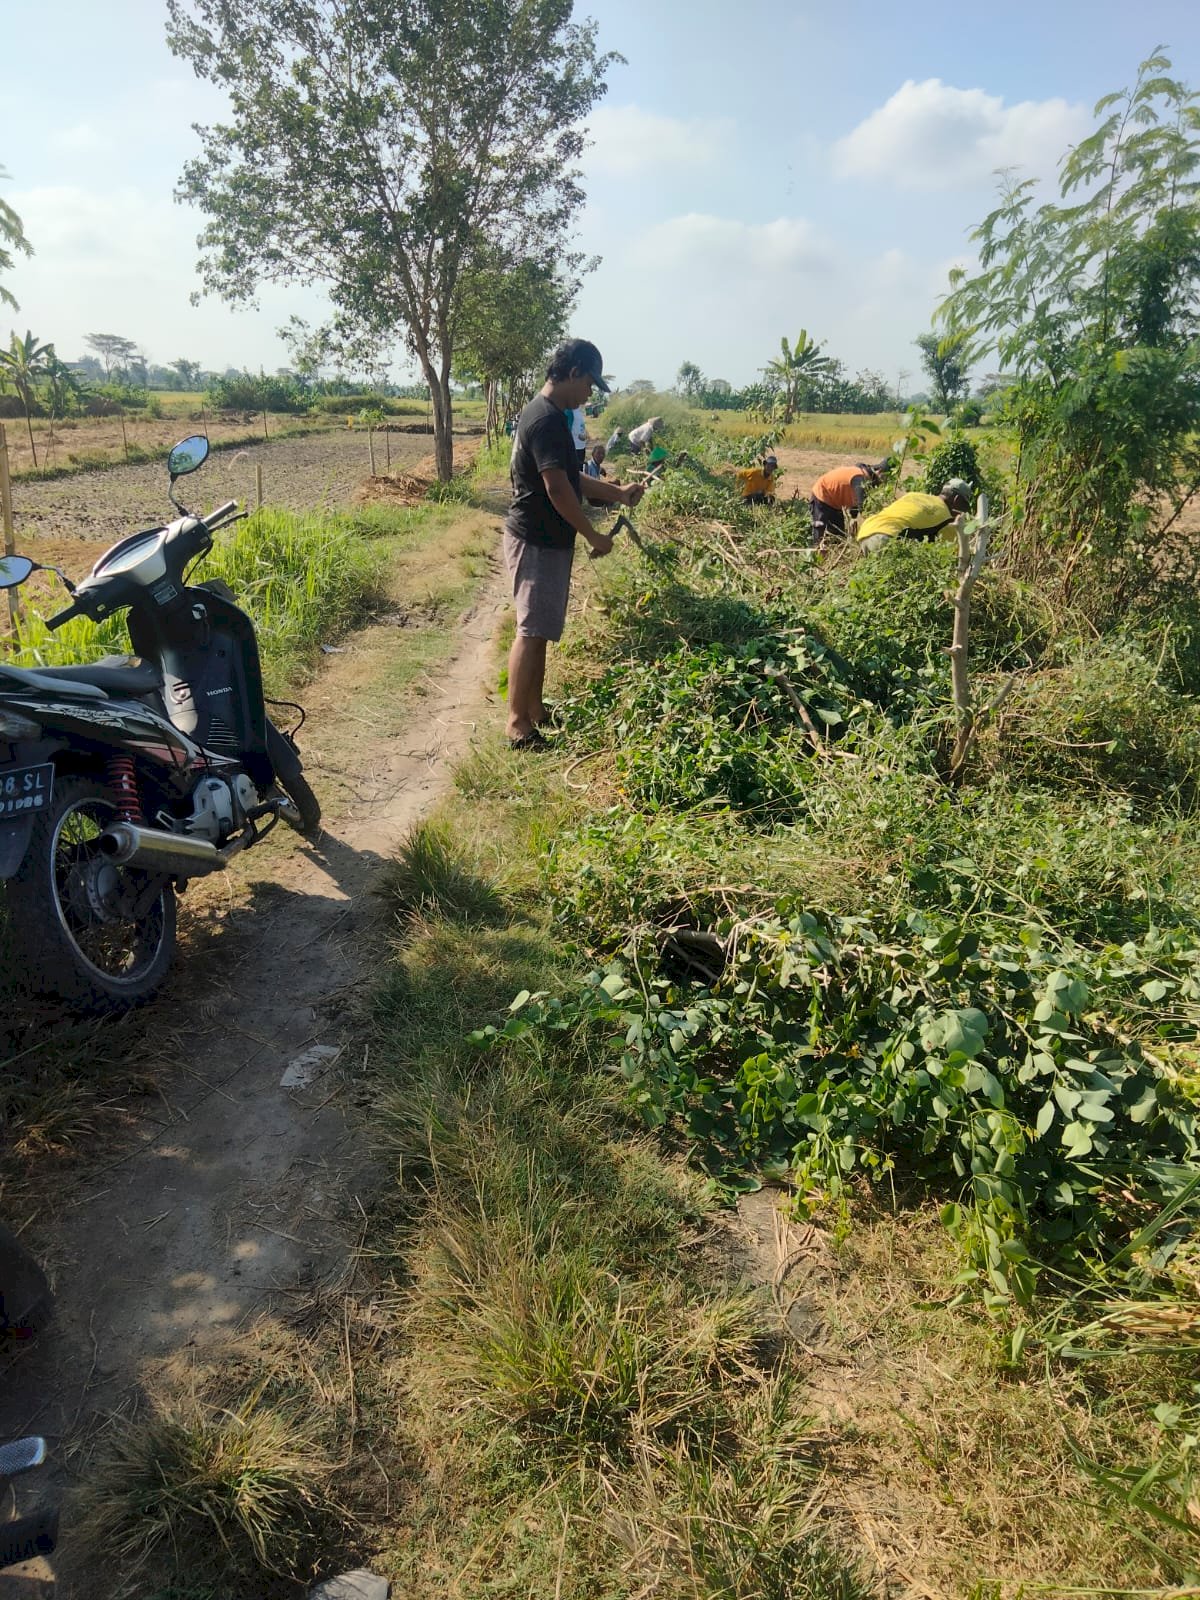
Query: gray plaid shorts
x=541 y=584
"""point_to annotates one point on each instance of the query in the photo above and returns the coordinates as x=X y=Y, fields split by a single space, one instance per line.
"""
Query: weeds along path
x=241 y=1185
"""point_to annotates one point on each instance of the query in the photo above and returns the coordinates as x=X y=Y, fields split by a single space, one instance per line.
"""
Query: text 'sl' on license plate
x=24 y=790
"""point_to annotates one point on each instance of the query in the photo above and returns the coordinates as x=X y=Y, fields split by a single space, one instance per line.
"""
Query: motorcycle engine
x=219 y=806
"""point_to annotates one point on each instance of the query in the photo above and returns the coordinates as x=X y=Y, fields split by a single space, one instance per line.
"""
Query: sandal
x=530 y=741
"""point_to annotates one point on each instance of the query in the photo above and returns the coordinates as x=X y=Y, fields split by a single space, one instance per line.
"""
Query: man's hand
x=633 y=495
x=601 y=544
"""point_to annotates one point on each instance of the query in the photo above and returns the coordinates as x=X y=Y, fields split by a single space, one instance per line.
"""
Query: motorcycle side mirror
x=187 y=455
x=14 y=570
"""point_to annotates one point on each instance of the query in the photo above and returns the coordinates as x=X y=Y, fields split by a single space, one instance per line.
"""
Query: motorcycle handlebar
x=219 y=515
x=73 y=610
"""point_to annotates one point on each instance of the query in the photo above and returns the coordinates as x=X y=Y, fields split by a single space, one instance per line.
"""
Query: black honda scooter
x=122 y=780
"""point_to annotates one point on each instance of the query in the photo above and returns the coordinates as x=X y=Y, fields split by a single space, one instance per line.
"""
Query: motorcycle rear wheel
x=307 y=820
x=65 y=909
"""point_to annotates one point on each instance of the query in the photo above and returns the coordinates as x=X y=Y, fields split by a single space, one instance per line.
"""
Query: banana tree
x=24 y=363
x=795 y=366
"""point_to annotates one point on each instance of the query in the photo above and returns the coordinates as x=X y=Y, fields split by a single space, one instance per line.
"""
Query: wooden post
x=972 y=553
x=6 y=519
x=371 y=446
x=258 y=489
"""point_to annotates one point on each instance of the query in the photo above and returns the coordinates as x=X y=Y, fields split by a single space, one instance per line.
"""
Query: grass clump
x=427 y=877
x=210 y=1492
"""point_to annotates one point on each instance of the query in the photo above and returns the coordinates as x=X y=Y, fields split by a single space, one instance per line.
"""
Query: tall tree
x=1092 y=302
x=188 y=372
x=377 y=146
x=115 y=352
x=12 y=239
x=514 y=311
x=24 y=364
x=689 y=380
x=795 y=367
x=946 y=362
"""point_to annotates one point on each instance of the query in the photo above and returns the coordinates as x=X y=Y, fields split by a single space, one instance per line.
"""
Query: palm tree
x=794 y=366
x=23 y=363
x=12 y=239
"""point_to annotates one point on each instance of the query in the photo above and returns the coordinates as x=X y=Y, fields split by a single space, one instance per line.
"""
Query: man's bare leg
x=526 y=677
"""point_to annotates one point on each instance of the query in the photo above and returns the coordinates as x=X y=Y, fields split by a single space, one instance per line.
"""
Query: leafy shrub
x=627 y=411
x=956 y=458
x=715 y=725
x=977 y=1059
x=246 y=392
x=892 y=619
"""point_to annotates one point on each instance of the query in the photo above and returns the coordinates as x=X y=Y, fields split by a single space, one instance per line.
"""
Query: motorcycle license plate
x=23 y=790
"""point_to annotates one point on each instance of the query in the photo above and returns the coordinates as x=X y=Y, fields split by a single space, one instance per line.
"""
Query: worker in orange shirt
x=837 y=491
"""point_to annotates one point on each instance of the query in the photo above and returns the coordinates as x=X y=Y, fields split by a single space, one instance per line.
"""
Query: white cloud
x=931 y=135
x=626 y=140
x=706 y=247
x=81 y=137
x=721 y=291
x=123 y=260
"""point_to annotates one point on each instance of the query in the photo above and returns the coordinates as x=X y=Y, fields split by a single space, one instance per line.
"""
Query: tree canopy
x=382 y=148
x=1093 y=301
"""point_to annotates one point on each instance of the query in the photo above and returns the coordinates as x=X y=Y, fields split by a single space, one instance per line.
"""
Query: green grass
x=221 y=1493
x=304 y=580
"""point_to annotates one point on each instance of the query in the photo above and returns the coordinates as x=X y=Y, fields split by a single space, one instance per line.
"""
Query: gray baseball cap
x=958 y=489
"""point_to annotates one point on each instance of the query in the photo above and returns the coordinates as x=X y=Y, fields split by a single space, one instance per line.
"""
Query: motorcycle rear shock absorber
x=123 y=782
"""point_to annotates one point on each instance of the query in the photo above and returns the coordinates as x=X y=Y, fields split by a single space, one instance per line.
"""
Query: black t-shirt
x=542 y=440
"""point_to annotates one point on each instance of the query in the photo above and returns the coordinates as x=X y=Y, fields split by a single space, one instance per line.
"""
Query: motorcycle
x=124 y=779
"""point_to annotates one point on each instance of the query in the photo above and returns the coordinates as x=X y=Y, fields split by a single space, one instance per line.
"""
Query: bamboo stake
x=6 y=518
x=258 y=487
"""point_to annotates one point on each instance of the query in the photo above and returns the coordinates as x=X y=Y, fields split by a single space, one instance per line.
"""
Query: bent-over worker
x=837 y=491
x=916 y=516
x=758 y=483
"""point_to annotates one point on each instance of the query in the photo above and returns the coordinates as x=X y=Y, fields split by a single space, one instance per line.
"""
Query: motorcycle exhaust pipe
x=154 y=850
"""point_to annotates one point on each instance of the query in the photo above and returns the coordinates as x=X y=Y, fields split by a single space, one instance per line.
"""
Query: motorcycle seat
x=115 y=675
x=24 y=680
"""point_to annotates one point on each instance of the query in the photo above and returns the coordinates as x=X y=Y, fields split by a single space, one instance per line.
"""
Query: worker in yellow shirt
x=916 y=516
x=758 y=483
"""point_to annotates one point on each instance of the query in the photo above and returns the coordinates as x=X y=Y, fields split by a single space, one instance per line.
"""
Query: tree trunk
x=443 y=424
x=29 y=425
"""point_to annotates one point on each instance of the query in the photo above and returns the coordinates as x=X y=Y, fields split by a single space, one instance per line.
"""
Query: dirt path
x=240 y=1194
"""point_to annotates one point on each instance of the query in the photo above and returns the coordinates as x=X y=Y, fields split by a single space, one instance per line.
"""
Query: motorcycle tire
x=74 y=946
x=304 y=814
x=307 y=821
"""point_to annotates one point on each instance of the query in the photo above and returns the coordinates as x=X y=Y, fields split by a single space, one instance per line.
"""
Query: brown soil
x=299 y=474
x=235 y=1191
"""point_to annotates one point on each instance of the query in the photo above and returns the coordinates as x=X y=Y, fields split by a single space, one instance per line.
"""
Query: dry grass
x=956 y=1466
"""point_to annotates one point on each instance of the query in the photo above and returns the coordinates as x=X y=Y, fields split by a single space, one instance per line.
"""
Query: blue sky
x=757 y=168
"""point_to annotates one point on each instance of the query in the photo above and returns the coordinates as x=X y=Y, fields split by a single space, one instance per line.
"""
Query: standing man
x=837 y=491
x=539 y=534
